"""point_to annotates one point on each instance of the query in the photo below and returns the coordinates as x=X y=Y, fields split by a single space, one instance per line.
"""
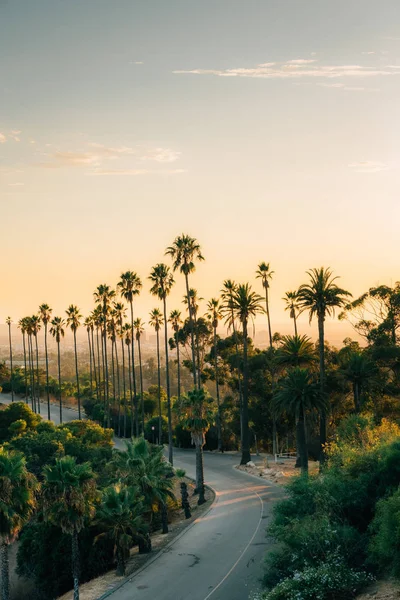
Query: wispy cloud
x=368 y=166
x=3 y=138
x=134 y=172
x=15 y=184
x=370 y=52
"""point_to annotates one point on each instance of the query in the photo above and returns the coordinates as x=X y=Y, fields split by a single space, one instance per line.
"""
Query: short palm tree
x=73 y=321
x=184 y=251
x=197 y=419
x=156 y=320
x=45 y=316
x=296 y=393
x=129 y=286
x=246 y=305
x=69 y=494
x=296 y=351
x=120 y=517
x=292 y=305
x=17 y=503
x=57 y=331
x=265 y=274
x=139 y=330
x=162 y=281
x=357 y=368
x=8 y=322
x=320 y=297
x=176 y=323
x=22 y=327
x=214 y=314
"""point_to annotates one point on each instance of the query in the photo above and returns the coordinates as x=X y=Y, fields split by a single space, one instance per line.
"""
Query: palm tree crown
x=321 y=296
x=162 y=280
x=156 y=319
x=183 y=252
x=57 y=328
x=73 y=317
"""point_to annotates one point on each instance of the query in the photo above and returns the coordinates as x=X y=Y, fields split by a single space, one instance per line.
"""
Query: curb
x=157 y=555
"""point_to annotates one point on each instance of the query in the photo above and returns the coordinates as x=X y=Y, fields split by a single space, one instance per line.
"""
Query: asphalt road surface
x=221 y=556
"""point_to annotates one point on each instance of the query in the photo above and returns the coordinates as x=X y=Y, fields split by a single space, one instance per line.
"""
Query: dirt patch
x=381 y=590
x=177 y=523
x=278 y=472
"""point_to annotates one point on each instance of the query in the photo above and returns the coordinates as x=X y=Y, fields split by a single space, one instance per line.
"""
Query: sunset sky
x=269 y=130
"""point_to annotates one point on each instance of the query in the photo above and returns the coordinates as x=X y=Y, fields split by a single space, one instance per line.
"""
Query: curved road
x=220 y=556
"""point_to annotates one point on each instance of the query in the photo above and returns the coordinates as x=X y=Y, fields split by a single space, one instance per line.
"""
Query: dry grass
x=280 y=472
x=382 y=590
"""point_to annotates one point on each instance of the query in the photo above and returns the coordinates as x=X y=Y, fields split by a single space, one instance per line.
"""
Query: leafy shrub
x=384 y=548
x=17 y=411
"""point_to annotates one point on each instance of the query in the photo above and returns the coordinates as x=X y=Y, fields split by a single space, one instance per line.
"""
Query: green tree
x=57 y=331
x=358 y=370
x=45 y=316
x=17 y=503
x=156 y=320
x=265 y=274
x=246 y=305
x=73 y=321
x=69 y=494
x=214 y=314
x=162 y=281
x=296 y=351
x=292 y=305
x=184 y=251
x=320 y=297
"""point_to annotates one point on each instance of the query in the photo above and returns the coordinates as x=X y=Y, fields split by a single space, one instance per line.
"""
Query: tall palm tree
x=129 y=286
x=119 y=313
x=104 y=295
x=176 y=322
x=156 y=320
x=265 y=274
x=45 y=315
x=35 y=325
x=320 y=297
x=97 y=322
x=17 y=503
x=194 y=302
x=22 y=326
x=292 y=305
x=296 y=393
x=162 y=281
x=139 y=330
x=214 y=314
x=88 y=324
x=112 y=335
x=198 y=418
x=73 y=321
x=246 y=305
x=127 y=336
x=57 y=331
x=29 y=333
x=8 y=322
x=227 y=292
x=69 y=494
x=184 y=251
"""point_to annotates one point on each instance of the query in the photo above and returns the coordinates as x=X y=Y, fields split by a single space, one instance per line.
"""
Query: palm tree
x=296 y=393
x=129 y=286
x=320 y=297
x=139 y=329
x=45 y=315
x=246 y=305
x=265 y=274
x=28 y=328
x=35 y=326
x=194 y=302
x=120 y=517
x=162 y=280
x=214 y=315
x=227 y=292
x=88 y=323
x=126 y=335
x=22 y=326
x=112 y=335
x=103 y=295
x=184 y=251
x=292 y=305
x=73 y=321
x=198 y=418
x=8 y=322
x=119 y=313
x=359 y=370
x=156 y=320
x=69 y=494
x=17 y=503
x=296 y=351
x=176 y=322
x=97 y=322
x=57 y=331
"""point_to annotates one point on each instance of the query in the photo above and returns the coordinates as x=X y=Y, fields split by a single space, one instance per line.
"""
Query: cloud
x=294 y=69
x=15 y=132
x=371 y=52
x=162 y=155
x=135 y=172
x=3 y=138
x=368 y=166
x=15 y=184
x=393 y=67
x=70 y=159
x=136 y=62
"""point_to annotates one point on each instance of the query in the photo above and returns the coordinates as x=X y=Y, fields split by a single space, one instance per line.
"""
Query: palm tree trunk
x=77 y=376
x=170 y=451
x=134 y=374
x=107 y=391
x=98 y=363
x=59 y=378
x=118 y=383
x=141 y=383
x=159 y=389
x=104 y=378
x=37 y=374
x=301 y=439
x=25 y=373
x=239 y=380
x=246 y=443
x=200 y=471
x=356 y=394
x=295 y=325
x=31 y=373
x=191 y=330
x=219 y=428
x=179 y=366
x=133 y=412
x=90 y=364
x=120 y=561
x=322 y=421
x=164 y=517
x=113 y=371
x=124 y=386
x=47 y=371
x=197 y=351
x=268 y=317
x=94 y=363
x=11 y=364
x=5 y=572
x=75 y=563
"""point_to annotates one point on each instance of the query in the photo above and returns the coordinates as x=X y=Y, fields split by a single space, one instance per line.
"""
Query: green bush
x=17 y=411
x=384 y=548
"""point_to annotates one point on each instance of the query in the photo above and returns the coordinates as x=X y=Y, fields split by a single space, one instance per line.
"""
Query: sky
x=266 y=129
